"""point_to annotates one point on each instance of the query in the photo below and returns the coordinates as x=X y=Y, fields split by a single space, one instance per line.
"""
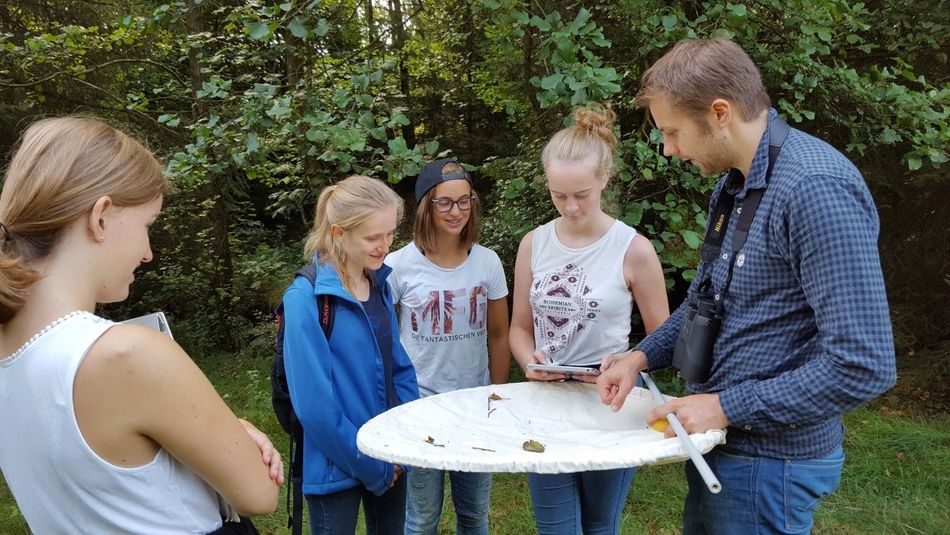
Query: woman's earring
x=101 y=238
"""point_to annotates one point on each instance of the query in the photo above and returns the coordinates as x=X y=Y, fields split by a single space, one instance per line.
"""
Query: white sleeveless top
x=59 y=483
x=579 y=299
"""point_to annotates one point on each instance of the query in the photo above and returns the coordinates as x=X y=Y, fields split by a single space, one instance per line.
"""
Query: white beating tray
x=467 y=431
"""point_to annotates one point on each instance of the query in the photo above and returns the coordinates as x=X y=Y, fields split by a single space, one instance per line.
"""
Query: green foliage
x=257 y=105
x=252 y=141
x=566 y=47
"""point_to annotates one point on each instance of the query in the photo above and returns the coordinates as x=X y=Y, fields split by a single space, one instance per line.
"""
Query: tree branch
x=93 y=69
x=139 y=112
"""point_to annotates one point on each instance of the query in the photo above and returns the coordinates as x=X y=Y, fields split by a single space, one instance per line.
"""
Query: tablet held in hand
x=557 y=368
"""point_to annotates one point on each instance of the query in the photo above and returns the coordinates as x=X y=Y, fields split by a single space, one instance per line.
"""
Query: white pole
x=708 y=476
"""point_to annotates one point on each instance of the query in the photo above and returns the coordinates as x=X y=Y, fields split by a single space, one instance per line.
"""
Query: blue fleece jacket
x=338 y=385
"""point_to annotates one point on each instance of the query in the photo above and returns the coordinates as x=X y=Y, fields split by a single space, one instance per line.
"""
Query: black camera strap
x=716 y=231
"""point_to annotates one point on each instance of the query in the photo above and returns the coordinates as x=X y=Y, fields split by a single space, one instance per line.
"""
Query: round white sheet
x=467 y=431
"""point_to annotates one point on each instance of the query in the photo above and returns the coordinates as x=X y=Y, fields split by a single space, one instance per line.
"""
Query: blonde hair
x=348 y=203
x=60 y=169
x=696 y=72
x=424 y=230
x=590 y=137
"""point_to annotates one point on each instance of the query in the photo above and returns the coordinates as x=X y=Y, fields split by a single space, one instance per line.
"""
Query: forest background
x=256 y=105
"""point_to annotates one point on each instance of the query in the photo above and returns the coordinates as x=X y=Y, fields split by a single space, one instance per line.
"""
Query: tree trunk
x=370 y=22
x=219 y=287
x=527 y=48
x=194 y=24
x=399 y=42
x=294 y=59
x=470 y=61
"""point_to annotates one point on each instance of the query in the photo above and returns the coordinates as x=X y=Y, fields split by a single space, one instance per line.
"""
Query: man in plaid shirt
x=805 y=333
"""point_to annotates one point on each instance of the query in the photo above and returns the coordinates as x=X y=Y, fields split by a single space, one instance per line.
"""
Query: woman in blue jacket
x=337 y=385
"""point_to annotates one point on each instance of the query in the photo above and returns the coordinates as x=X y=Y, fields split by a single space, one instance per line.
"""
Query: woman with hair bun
x=577 y=279
x=107 y=428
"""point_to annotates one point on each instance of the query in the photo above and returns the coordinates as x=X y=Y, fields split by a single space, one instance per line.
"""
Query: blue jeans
x=759 y=494
x=337 y=513
x=593 y=501
x=470 y=495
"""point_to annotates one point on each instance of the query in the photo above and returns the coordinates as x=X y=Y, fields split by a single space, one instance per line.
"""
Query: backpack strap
x=325 y=309
x=308 y=272
x=295 y=494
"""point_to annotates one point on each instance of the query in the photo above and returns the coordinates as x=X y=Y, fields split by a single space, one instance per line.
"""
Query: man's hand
x=697 y=413
x=618 y=376
x=269 y=455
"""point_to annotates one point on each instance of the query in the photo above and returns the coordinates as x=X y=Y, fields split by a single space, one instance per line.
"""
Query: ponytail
x=15 y=279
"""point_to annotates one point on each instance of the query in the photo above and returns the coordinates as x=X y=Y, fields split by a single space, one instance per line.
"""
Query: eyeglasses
x=444 y=205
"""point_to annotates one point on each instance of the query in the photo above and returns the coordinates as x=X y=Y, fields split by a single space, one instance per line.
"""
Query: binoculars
x=694 y=346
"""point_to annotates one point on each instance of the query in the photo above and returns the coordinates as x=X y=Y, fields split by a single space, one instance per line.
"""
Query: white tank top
x=579 y=299
x=59 y=483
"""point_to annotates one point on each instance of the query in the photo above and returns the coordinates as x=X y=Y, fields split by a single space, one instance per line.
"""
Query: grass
x=896 y=477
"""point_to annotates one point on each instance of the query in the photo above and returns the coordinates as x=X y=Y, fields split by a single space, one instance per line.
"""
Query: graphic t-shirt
x=580 y=302
x=443 y=315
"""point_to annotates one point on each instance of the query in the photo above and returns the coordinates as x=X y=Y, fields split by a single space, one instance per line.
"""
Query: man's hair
x=696 y=72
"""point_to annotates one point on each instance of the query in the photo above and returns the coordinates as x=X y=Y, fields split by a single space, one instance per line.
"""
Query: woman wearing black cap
x=454 y=325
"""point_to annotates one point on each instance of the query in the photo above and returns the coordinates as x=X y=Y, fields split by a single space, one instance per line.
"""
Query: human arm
x=269 y=454
x=398 y=471
x=521 y=333
x=827 y=232
x=644 y=276
x=316 y=398
x=137 y=387
x=499 y=353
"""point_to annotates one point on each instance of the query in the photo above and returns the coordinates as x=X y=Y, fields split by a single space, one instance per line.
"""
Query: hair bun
x=598 y=120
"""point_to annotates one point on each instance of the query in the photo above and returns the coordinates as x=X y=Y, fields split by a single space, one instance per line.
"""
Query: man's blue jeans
x=470 y=496
x=593 y=501
x=337 y=513
x=759 y=494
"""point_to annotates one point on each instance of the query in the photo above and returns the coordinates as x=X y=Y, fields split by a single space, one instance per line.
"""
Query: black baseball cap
x=431 y=176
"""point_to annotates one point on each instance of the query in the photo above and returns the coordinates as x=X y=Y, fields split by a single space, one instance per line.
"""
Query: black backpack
x=280 y=397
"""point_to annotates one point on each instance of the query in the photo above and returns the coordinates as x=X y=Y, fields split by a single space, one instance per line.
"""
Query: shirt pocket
x=761 y=275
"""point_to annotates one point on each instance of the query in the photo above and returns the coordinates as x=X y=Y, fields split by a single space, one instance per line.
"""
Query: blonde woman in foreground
x=107 y=428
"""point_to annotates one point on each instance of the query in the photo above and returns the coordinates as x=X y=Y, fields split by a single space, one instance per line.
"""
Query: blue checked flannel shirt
x=806 y=333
